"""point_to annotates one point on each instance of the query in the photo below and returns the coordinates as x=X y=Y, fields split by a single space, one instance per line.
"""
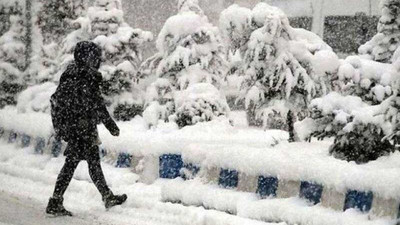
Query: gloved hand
x=115 y=132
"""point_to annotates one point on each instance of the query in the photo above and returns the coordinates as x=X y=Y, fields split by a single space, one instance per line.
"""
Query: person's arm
x=103 y=113
x=106 y=119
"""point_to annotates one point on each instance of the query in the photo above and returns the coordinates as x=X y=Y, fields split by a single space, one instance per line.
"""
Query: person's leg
x=65 y=177
x=96 y=173
x=55 y=205
x=97 y=176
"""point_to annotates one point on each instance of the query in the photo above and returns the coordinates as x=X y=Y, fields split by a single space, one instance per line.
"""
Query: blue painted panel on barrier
x=170 y=166
x=311 y=191
x=25 y=140
x=56 y=148
x=40 y=144
x=191 y=169
x=228 y=178
x=124 y=160
x=358 y=200
x=267 y=186
x=13 y=137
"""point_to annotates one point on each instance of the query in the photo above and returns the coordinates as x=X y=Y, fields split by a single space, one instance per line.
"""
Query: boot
x=111 y=200
x=56 y=208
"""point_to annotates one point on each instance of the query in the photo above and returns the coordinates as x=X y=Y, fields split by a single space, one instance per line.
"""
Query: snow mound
x=36 y=98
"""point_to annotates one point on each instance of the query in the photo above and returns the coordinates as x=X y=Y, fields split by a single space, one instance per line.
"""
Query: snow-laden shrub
x=357 y=144
x=382 y=46
x=329 y=115
x=201 y=102
x=362 y=132
x=127 y=105
x=370 y=80
x=36 y=98
x=159 y=102
x=190 y=51
x=274 y=115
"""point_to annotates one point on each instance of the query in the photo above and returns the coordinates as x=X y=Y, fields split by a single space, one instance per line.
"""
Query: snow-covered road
x=26 y=183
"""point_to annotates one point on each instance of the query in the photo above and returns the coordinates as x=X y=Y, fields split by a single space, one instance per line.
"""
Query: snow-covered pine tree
x=159 y=102
x=382 y=46
x=12 y=60
x=55 y=16
x=190 y=52
x=283 y=68
x=236 y=28
x=7 y=9
x=52 y=22
x=122 y=54
x=235 y=24
x=66 y=55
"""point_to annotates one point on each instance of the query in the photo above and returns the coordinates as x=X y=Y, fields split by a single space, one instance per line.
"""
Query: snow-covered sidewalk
x=18 y=210
x=27 y=181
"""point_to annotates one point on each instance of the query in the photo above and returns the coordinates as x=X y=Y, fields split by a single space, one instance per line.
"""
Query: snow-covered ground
x=27 y=181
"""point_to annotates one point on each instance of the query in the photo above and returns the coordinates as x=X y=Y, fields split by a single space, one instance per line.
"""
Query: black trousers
x=95 y=172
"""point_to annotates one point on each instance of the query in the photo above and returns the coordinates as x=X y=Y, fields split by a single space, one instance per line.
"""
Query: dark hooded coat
x=79 y=92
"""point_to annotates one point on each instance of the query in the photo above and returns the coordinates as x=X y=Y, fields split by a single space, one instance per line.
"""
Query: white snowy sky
x=151 y=14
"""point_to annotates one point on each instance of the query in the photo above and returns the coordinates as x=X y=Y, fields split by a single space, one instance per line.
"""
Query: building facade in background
x=344 y=24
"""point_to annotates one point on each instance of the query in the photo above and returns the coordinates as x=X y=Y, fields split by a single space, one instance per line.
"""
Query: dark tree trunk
x=290 y=123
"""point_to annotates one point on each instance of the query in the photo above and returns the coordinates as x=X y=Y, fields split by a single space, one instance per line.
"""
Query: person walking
x=77 y=107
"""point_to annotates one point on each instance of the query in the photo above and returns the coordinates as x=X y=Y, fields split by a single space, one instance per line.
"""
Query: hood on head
x=87 y=54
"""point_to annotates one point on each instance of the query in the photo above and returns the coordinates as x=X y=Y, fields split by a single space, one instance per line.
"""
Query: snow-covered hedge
x=36 y=98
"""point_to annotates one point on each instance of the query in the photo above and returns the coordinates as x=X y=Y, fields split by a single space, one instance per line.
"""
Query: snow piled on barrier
x=290 y=210
x=303 y=162
x=34 y=123
x=135 y=138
